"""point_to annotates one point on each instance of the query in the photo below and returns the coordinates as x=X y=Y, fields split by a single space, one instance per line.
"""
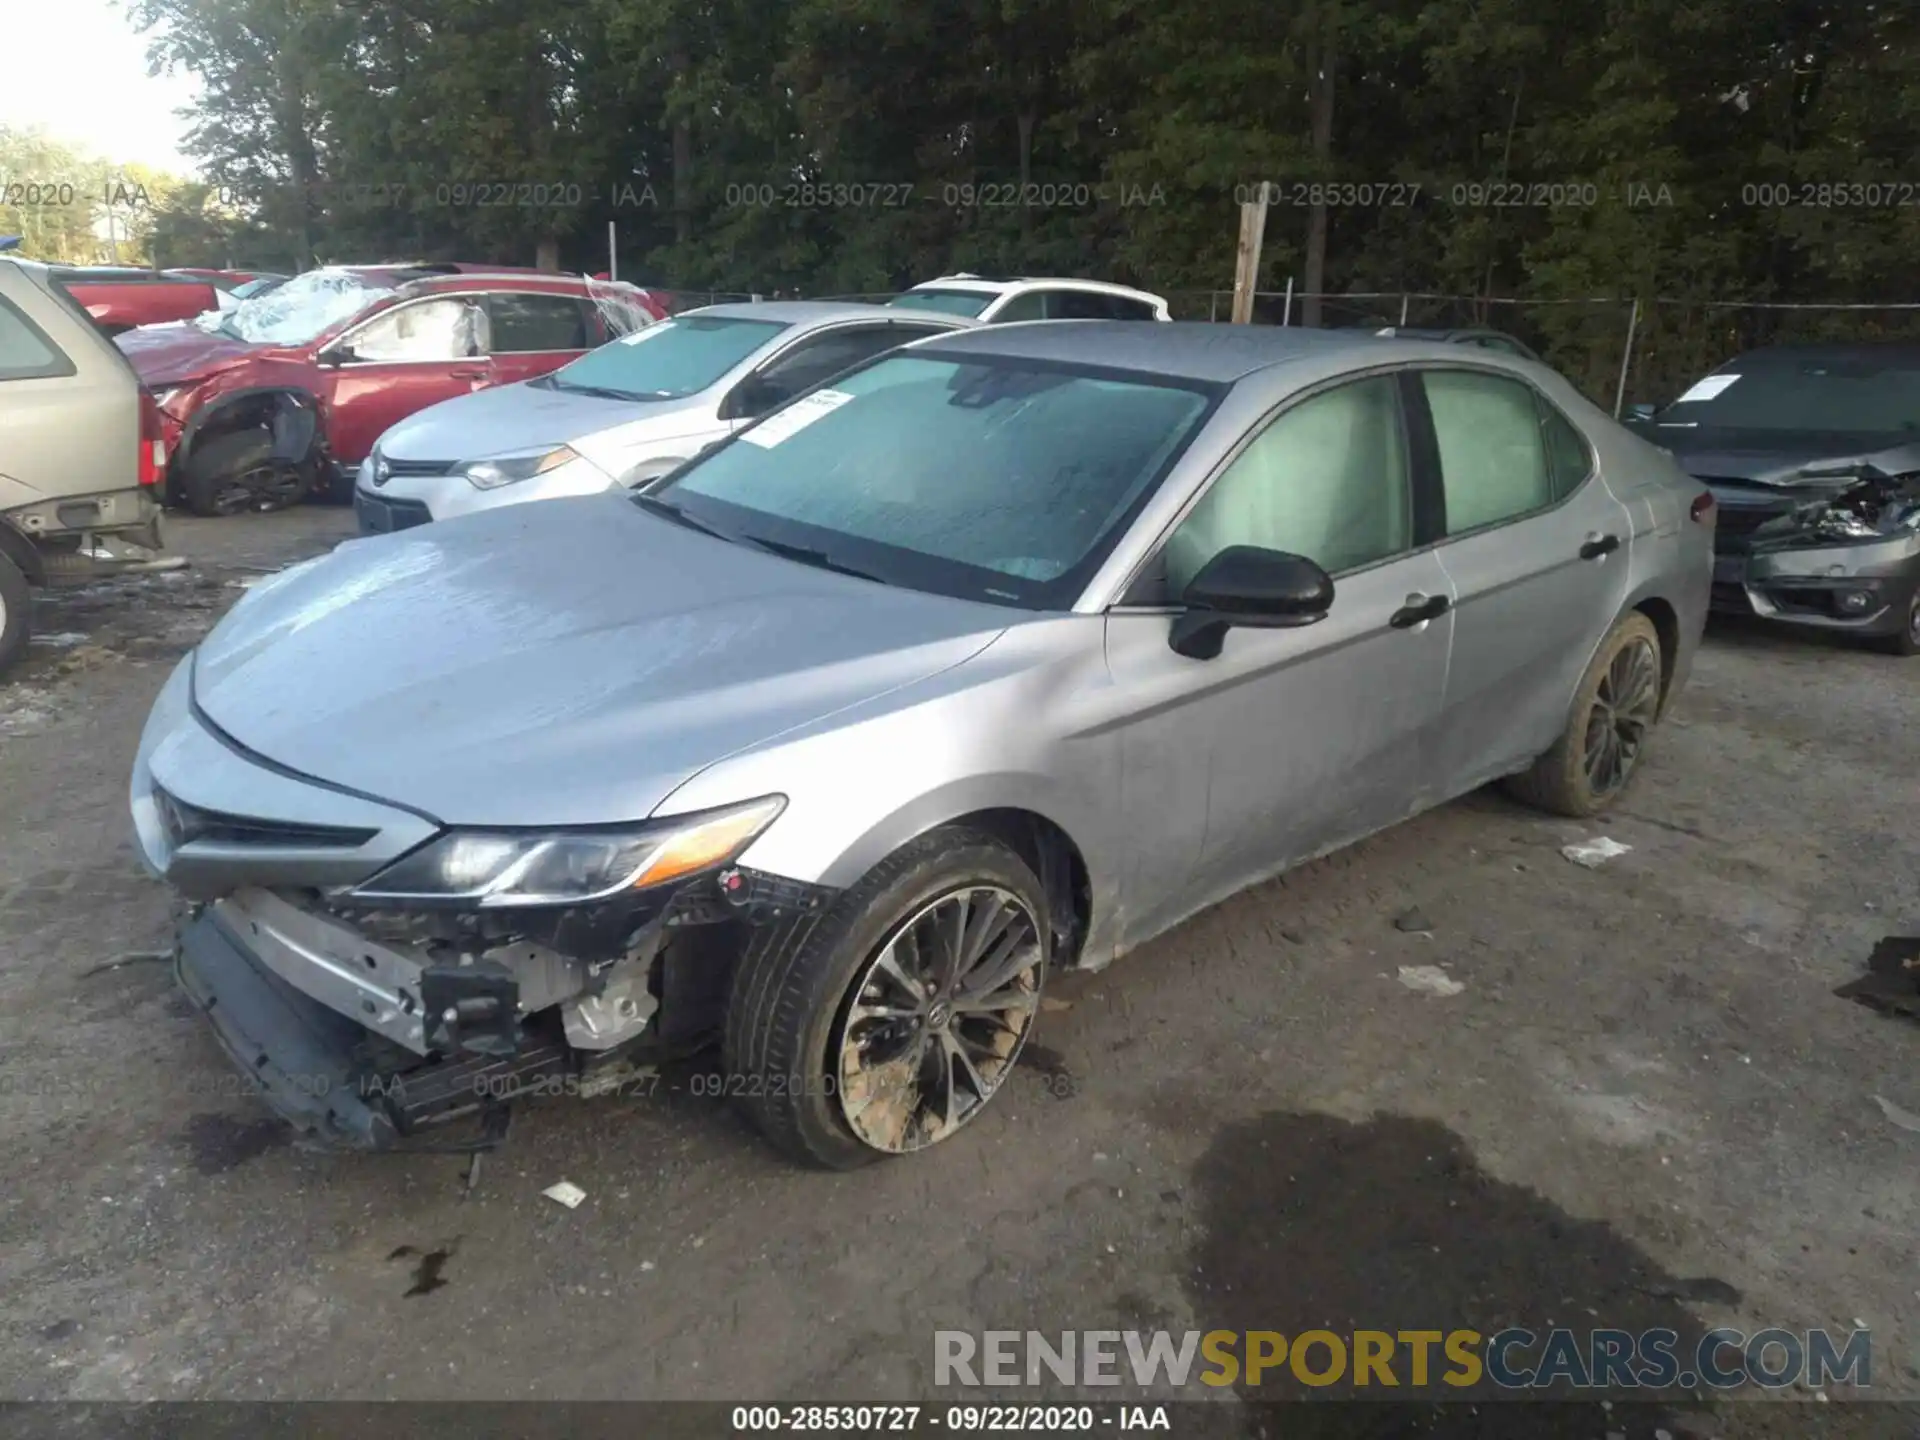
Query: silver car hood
x=508 y=418
x=566 y=663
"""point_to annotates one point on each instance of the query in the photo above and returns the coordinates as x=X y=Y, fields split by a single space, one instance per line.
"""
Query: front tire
x=16 y=613
x=1906 y=640
x=1613 y=712
x=238 y=473
x=900 y=1015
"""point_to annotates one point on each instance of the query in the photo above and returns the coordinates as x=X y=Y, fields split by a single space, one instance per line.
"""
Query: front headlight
x=506 y=469
x=570 y=867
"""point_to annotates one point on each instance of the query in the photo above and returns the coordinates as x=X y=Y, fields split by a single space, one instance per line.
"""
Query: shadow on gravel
x=1314 y=1223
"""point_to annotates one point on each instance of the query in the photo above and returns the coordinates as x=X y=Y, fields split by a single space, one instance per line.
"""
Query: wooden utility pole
x=1246 y=268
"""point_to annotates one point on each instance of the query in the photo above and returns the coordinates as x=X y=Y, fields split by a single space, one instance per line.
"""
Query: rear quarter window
x=26 y=352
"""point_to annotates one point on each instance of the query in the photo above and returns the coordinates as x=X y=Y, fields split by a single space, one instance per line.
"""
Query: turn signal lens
x=1704 y=508
x=704 y=845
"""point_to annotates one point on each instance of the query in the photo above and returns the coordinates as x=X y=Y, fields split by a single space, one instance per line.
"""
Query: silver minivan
x=80 y=446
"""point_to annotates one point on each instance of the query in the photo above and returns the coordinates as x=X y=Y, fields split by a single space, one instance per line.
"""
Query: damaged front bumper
x=362 y=1040
x=366 y=1020
x=1866 y=589
x=1846 y=559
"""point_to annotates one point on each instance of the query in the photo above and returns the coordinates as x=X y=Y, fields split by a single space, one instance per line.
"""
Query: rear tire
x=1616 y=706
x=235 y=474
x=836 y=1063
x=16 y=613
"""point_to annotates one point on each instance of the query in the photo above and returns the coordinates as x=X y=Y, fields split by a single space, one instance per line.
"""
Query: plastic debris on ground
x=566 y=1192
x=1429 y=980
x=1904 y=1118
x=1595 y=852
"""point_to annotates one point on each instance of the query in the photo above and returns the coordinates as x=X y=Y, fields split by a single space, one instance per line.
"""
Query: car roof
x=819 y=312
x=1000 y=285
x=1897 y=350
x=1191 y=350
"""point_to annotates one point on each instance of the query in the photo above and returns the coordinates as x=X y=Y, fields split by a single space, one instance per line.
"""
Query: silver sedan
x=627 y=412
x=994 y=658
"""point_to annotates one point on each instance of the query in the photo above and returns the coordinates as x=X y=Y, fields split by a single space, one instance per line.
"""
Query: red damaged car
x=283 y=395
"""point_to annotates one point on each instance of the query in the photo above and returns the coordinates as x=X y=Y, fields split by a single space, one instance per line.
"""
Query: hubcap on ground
x=936 y=1018
x=1623 y=711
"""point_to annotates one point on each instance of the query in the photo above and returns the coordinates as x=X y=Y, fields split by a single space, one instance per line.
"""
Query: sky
x=90 y=88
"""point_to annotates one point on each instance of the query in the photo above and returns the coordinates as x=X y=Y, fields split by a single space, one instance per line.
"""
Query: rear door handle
x=469 y=374
x=1598 y=545
x=1419 y=608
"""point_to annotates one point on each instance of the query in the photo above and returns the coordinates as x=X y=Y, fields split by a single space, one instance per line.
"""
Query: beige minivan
x=80 y=447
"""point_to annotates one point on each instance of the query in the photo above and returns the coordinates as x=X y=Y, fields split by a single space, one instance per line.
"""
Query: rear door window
x=1493 y=449
x=523 y=323
x=26 y=352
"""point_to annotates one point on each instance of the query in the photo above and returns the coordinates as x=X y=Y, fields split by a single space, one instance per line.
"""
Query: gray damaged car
x=994 y=658
x=1813 y=453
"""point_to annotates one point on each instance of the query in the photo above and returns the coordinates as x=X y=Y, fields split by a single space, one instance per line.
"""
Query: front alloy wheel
x=892 y=1020
x=937 y=1018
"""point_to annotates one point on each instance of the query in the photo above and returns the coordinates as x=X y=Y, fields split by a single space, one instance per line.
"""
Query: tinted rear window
x=26 y=352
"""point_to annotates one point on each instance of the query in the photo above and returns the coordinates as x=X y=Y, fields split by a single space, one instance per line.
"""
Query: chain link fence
x=1617 y=352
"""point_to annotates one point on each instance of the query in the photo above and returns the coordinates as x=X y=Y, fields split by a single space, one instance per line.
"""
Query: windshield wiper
x=667 y=510
x=606 y=392
x=808 y=556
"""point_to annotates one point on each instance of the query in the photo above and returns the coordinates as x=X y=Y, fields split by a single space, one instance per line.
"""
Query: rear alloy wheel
x=16 y=613
x=901 y=1015
x=1614 y=711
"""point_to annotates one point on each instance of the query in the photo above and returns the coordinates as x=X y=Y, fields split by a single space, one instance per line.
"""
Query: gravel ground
x=1645 y=1106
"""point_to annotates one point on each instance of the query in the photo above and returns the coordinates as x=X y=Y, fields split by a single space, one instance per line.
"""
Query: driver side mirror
x=1247 y=586
x=1642 y=412
x=337 y=355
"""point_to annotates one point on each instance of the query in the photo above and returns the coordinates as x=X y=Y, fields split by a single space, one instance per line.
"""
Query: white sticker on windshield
x=1708 y=388
x=795 y=418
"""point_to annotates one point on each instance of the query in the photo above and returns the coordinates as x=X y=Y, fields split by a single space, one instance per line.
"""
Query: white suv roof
x=1003 y=293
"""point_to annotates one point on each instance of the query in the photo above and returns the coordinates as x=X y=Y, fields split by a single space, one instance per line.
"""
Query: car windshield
x=947 y=302
x=984 y=478
x=305 y=307
x=669 y=360
x=1856 y=394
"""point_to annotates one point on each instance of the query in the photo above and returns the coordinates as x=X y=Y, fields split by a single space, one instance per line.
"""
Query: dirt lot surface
x=1644 y=1107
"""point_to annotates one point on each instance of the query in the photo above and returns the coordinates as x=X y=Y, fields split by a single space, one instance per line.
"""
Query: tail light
x=1705 y=507
x=153 y=443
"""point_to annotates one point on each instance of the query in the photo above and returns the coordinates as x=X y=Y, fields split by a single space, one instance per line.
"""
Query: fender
x=291 y=413
x=1029 y=793
x=22 y=552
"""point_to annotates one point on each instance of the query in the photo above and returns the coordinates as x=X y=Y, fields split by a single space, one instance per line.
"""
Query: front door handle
x=1418 y=609
x=1598 y=545
x=468 y=374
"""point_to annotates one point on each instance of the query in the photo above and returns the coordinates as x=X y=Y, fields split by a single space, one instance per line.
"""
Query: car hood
x=168 y=354
x=503 y=419
x=652 y=423
x=1761 y=457
x=566 y=663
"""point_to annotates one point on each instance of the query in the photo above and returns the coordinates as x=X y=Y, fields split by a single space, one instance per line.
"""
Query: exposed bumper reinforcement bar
x=297 y=1051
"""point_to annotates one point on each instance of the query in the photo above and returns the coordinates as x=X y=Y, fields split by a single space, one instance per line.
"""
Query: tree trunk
x=547 y=254
x=1026 y=168
x=1323 y=55
x=682 y=162
x=296 y=144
